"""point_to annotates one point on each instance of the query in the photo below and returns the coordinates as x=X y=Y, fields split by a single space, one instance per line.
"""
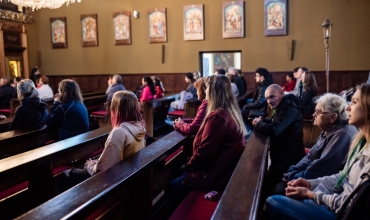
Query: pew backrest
x=22 y=140
x=126 y=185
x=5 y=124
x=241 y=197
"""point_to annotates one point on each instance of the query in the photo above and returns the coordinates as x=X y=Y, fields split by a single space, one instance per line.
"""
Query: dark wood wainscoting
x=339 y=80
x=174 y=82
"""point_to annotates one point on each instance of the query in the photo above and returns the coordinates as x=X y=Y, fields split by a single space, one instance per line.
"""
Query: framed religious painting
x=233 y=19
x=58 y=30
x=122 y=28
x=193 y=22
x=89 y=26
x=157 y=20
x=276 y=17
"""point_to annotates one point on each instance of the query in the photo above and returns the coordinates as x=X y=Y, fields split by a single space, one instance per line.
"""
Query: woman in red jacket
x=159 y=89
x=148 y=90
x=191 y=126
x=217 y=145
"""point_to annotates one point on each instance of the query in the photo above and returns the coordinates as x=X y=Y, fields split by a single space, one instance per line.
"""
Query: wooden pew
x=37 y=167
x=155 y=112
x=95 y=102
x=5 y=124
x=241 y=198
x=22 y=140
x=122 y=191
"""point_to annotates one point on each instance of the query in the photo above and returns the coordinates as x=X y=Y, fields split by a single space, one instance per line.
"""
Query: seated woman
x=68 y=113
x=159 y=89
x=331 y=149
x=32 y=111
x=289 y=86
x=216 y=147
x=234 y=88
x=189 y=93
x=148 y=92
x=44 y=88
x=310 y=90
x=126 y=138
x=321 y=198
x=191 y=126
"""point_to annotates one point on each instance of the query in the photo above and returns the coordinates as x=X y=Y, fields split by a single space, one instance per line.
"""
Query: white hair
x=334 y=104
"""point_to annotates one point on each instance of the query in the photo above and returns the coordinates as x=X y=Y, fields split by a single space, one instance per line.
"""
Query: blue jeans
x=282 y=207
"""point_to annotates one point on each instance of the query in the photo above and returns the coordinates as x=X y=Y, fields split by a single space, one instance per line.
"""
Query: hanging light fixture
x=38 y=4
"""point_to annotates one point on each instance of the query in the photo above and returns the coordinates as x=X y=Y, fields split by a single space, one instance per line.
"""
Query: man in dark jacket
x=258 y=105
x=238 y=81
x=7 y=92
x=286 y=133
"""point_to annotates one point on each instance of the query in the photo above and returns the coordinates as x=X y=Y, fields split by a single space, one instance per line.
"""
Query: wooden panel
x=339 y=80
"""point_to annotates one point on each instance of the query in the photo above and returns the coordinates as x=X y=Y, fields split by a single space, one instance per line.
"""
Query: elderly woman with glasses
x=329 y=153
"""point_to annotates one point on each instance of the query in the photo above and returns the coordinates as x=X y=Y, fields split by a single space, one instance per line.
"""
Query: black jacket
x=239 y=83
x=7 y=92
x=286 y=132
x=31 y=112
x=71 y=118
x=307 y=103
x=258 y=106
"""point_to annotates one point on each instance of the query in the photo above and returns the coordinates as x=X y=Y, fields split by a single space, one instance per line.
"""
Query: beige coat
x=122 y=142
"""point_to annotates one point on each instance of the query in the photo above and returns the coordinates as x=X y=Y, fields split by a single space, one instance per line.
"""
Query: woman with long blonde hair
x=322 y=198
x=217 y=145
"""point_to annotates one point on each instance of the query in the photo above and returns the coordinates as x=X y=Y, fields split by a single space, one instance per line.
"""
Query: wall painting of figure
x=193 y=22
x=58 y=32
x=89 y=30
x=122 y=28
x=157 y=21
x=276 y=17
x=233 y=18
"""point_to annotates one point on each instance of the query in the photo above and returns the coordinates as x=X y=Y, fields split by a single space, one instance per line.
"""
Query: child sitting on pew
x=148 y=92
x=127 y=137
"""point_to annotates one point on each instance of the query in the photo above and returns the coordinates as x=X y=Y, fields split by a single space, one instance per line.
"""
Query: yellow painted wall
x=349 y=49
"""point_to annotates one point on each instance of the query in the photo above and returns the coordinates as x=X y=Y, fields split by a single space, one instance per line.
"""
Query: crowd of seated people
x=295 y=186
x=323 y=197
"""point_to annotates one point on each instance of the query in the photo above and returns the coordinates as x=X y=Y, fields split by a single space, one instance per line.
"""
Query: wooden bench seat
x=122 y=191
x=38 y=167
x=5 y=124
x=22 y=140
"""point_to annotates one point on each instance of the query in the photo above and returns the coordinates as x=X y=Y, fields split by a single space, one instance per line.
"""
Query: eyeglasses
x=318 y=112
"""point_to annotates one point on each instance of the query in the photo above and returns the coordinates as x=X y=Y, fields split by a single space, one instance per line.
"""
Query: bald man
x=286 y=133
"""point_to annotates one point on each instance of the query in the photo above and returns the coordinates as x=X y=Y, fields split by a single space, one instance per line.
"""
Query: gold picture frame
x=58 y=30
x=157 y=20
x=89 y=28
x=122 y=28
